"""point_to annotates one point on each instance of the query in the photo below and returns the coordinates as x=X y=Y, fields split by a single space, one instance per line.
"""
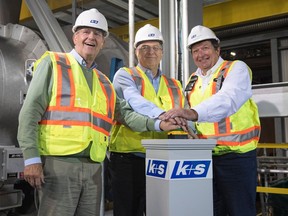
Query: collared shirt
x=235 y=91
x=126 y=88
x=37 y=101
x=81 y=61
x=40 y=94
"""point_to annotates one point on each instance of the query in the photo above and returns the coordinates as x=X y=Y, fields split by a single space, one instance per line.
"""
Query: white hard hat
x=200 y=33
x=91 y=18
x=147 y=33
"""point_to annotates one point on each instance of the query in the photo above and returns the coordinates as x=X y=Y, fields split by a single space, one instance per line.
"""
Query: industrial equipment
x=19 y=48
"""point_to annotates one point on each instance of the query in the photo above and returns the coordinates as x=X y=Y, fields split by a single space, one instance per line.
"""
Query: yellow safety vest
x=76 y=117
x=170 y=95
x=237 y=133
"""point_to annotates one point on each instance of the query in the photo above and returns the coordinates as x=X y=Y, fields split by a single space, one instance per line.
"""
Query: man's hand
x=33 y=174
x=191 y=134
x=188 y=114
x=168 y=125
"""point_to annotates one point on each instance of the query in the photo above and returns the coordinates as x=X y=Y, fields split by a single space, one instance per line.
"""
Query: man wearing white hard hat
x=219 y=93
x=151 y=93
x=65 y=122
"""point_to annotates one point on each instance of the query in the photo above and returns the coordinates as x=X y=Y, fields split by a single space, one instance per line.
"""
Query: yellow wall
x=227 y=13
x=53 y=4
x=237 y=11
x=123 y=31
x=217 y=15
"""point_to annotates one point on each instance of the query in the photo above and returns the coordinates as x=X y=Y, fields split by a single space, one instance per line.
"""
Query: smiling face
x=149 y=55
x=88 y=42
x=205 y=55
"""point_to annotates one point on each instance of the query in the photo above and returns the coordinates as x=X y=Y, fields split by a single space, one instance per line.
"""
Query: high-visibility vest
x=76 y=117
x=170 y=95
x=237 y=133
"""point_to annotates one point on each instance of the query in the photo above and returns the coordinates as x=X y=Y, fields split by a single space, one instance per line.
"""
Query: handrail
x=273 y=190
x=272 y=145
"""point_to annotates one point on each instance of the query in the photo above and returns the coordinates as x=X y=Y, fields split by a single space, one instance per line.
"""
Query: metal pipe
x=131 y=33
x=186 y=71
x=49 y=26
x=179 y=61
x=74 y=13
x=172 y=45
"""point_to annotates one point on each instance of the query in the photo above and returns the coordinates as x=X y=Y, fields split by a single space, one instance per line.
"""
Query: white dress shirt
x=235 y=91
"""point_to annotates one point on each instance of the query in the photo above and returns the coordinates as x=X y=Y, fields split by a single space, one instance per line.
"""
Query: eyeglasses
x=87 y=31
x=146 y=48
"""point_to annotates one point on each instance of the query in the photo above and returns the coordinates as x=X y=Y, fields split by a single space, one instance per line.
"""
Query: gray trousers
x=73 y=187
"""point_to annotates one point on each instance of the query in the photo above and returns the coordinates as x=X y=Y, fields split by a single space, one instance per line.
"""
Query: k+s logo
x=156 y=168
x=94 y=21
x=190 y=169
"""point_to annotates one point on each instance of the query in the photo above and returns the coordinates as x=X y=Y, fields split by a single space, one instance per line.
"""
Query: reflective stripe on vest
x=66 y=80
x=237 y=138
x=223 y=130
x=108 y=91
x=171 y=84
x=65 y=113
x=174 y=91
x=221 y=76
x=224 y=126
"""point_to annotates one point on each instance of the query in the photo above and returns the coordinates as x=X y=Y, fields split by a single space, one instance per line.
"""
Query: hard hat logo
x=193 y=36
x=94 y=21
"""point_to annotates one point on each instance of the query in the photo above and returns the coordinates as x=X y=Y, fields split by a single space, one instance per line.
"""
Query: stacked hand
x=177 y=118
x=188 y=114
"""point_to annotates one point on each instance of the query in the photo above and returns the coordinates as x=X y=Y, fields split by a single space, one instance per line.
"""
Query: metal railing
x=271 y=168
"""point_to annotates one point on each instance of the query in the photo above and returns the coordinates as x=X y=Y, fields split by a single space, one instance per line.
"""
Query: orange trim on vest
x=111 y=100
x=71 y=108
x=231 y=143
x=106 y=118
x=214 y=91
x=193 y=89
x=60 y=77
x=170 y=91
x=226 y=70
x=142 y=81
x=75 y=123
x=59 y=81
x=179 y=93
x=134 y=78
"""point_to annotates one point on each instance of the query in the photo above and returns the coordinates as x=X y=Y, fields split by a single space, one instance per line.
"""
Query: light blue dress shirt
x=126 y=88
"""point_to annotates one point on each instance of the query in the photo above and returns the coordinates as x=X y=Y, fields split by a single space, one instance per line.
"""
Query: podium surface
x=179 y=177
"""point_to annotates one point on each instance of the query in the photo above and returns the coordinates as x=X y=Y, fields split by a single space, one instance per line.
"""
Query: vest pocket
x=61 y=140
